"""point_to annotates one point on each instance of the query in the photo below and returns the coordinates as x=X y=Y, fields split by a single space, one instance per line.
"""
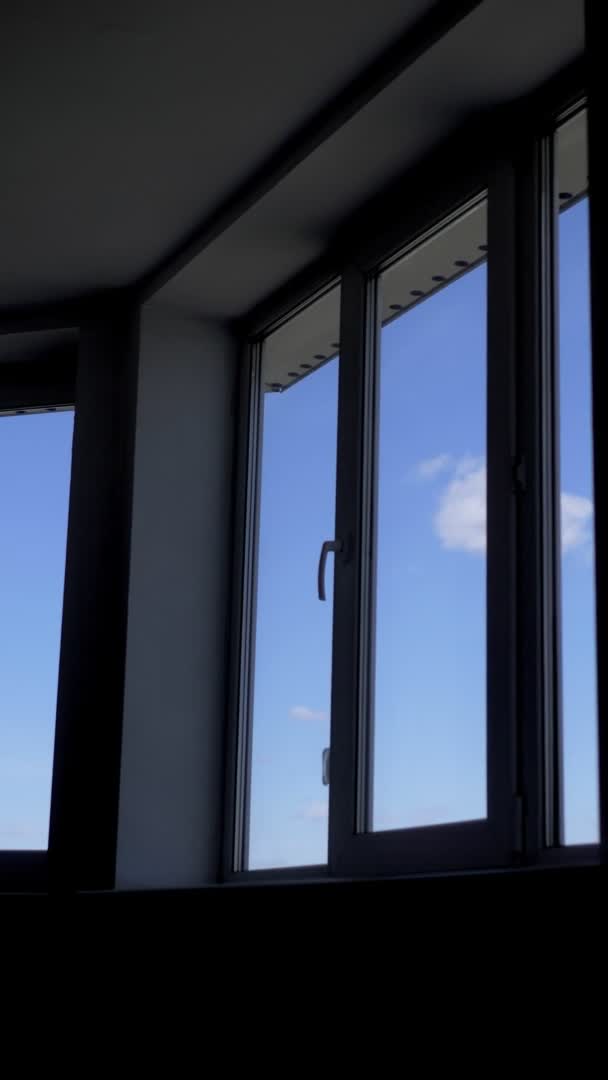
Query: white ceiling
x=502 y=51
x=38 y=345
x=127 y=123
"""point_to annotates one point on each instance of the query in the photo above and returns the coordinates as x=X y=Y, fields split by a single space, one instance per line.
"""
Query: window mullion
x=538 y=531
x=353 y=586
x=236 y=827
x=505 y=472
x=551 y=535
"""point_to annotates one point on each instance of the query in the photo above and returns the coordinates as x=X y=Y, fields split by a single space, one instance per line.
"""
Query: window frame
x=244 y=603
x=555 y=850
x=538 y=421
x=481 y=843
x=522 y=644
x=99 y=381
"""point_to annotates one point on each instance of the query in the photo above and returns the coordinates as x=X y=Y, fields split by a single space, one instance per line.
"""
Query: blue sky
x=35 y=457
x=430 y=626
x=578 y=596
x=430 y=675
x=430 y=655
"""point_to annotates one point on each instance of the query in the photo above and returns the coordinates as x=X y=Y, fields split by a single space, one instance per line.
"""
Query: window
x=37 y=385
x=35 y=458
x=448 y=686
x=296 y=397
x=430 y=758
x=429 y=735
x=578 y=749
x=406 y=519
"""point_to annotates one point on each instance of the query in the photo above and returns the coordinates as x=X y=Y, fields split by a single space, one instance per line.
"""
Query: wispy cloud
x=576 y=515
x=318 y=810
x=432 y=467
x=303 y=712
x=460 y=521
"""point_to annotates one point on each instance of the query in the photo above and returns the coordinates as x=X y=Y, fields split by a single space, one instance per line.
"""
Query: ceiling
x=125 y=122
x=44 y=345
x=128 y=124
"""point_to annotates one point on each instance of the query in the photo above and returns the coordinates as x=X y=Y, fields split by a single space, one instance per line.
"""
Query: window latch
x=328 y=545
x=325 y=767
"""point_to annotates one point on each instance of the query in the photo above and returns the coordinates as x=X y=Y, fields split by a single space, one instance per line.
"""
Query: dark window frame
x=517 y=169
x=97 y=379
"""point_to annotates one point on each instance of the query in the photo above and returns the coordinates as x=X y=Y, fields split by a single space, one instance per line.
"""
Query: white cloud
x=576 y=515
x=302 y=712
x=460 y=521
x=318 y=810
x=431 y=467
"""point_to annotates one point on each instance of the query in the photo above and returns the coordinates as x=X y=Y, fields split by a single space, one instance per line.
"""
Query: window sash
x=494 y=840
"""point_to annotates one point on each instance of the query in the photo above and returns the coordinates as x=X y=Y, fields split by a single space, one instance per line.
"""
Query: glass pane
x=35 y=461
x=429 y=748
x=579 y=704
x=292 y=686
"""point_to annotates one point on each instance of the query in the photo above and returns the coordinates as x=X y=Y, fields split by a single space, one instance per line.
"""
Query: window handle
x=325 y=767
x=328 y=545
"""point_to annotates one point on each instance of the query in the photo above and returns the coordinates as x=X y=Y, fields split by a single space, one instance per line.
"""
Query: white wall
x=175 y=688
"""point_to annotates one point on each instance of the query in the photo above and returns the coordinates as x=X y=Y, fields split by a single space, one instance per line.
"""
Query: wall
x=174 y=716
